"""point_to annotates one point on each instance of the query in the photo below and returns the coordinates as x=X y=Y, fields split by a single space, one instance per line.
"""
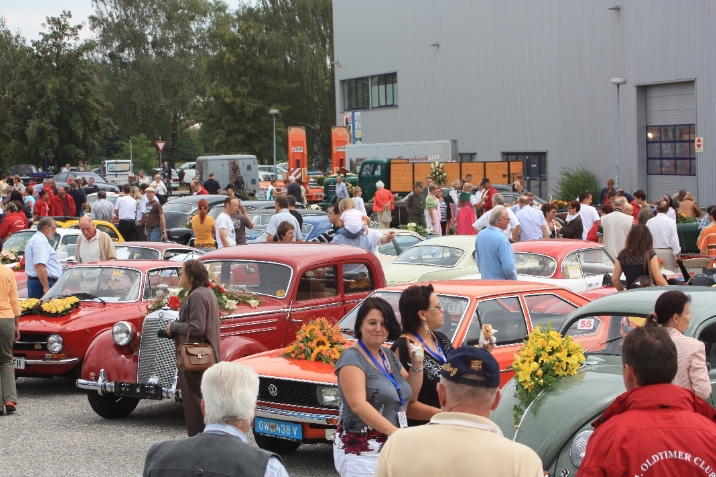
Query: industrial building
x=531 y=80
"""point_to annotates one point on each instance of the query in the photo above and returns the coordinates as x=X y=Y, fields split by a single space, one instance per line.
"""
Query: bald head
x=87 y=228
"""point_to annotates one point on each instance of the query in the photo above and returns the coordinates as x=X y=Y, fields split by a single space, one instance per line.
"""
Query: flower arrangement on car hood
x=7 y=257
x=419 y=229
x=546 y=358
x=228 y=300
x=317 y=340
x=54 y=307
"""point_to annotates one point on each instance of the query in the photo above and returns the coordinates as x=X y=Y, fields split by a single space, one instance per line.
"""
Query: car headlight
x=55 y=343
x=579 y=447
x=123 y=333
x=328 y=396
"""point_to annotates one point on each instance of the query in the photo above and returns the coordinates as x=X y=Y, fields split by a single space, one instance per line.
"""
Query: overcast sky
x=28 y=15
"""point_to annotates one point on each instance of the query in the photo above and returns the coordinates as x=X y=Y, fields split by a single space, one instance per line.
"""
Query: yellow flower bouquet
x=546 y=358
x=59 y=306
x=28 y=306
x=317 y=340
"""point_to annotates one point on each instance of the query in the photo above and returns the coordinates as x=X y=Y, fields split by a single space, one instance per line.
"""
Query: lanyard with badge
x=402 y=419
x=439 y=358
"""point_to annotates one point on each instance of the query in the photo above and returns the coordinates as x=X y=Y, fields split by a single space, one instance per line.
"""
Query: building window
x=384 y=90
x=357 y=93
x=670 y=150
x=371 y=92
x=467 y=156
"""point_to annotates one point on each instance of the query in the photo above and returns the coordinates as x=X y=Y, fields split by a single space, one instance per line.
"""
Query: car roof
x=482 y=287
x=557 y=248
x=450 y=241
x=194 y=199
x=288 y=253
x=640 y=302
x=161 y=246
x=142 y=265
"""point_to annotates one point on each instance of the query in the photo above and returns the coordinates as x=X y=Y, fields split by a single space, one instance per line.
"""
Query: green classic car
x=557 y=424
x=439 y=258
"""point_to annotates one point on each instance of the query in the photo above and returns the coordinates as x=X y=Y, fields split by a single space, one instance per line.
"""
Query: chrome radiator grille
x=157 y=356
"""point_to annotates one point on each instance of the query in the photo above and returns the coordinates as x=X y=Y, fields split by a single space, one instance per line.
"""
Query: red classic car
x=298 y=400
x=293 y=282
x=108 y=292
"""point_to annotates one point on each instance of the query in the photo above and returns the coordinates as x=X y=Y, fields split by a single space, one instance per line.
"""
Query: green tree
x=274 y=54
x=12 y=51
x=154 y=54
x=573 y=181
x=143 y=153
x=57 y=109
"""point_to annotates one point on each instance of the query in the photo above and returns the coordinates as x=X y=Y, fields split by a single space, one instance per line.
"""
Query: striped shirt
x=707 y=240
x=327 y=236
x=692 y=372
x=443 y=211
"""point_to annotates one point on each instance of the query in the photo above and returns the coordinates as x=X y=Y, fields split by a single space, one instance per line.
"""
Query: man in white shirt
x=533 y=225
x=666 y=239
x=615 y=227
x=125 y=208
x=282 y=215
x=66 y=168
x=224 y=228
x=141 y=208
x=512 y=231
x=589 y=214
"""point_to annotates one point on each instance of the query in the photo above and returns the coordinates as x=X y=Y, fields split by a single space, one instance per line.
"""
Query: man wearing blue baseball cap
x=461 y=440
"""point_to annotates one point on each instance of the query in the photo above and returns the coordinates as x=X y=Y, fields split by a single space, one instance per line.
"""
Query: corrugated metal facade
x=525 y=75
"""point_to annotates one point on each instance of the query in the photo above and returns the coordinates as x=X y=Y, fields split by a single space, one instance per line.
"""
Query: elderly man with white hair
x=93 y=245
x=229 y=392
x=493 y=252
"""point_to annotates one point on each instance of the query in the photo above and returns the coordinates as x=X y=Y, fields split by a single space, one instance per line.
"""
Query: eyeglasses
x=437 y=308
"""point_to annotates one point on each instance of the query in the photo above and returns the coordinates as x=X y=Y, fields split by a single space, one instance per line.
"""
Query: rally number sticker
x=585 y=324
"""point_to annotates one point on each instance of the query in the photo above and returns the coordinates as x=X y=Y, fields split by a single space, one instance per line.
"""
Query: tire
x=110 y=406
x=276 y=445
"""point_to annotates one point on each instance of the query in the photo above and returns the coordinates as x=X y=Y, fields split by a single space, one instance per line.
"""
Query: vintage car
x=403 y=239
x=156 y=251
x=575 y=264
x=106 y=227
x=108 y=292
x=313 y=226
x=439 y=258
x=298 y=400
x=557 y=424
x=293 y=283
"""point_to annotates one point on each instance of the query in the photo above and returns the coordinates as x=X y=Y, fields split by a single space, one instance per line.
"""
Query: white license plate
x=18 y=363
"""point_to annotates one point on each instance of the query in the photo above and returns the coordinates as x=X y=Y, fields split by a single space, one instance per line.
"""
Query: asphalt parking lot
x=55 y=432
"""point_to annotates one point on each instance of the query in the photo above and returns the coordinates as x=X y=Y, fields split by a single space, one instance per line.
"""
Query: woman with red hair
x=203 y=225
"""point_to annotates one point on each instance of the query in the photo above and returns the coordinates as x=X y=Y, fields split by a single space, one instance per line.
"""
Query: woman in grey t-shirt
x=374 y=390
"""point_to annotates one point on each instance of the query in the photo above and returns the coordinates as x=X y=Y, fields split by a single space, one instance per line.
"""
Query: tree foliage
x=573 y=181
x=12 y=51
x=56 y=107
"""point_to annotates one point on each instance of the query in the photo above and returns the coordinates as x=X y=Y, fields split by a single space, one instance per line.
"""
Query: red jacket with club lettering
x=656 y=430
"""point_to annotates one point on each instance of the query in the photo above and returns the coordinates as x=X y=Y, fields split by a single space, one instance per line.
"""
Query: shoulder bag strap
x=647 y=258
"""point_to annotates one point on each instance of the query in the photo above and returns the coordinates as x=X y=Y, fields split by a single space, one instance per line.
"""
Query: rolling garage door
x=670 y=120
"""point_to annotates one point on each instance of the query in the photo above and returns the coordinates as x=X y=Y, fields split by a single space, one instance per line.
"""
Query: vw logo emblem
x=273 y=390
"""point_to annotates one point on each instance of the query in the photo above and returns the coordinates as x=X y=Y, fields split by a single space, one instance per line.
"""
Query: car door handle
x=296 y=321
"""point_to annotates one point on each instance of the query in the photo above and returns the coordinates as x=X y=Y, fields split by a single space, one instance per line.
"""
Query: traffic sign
x=699 y=144
x=160 y=145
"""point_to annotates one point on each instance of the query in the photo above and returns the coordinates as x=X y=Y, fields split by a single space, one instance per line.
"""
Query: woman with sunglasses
x=421 y=315
x=203 y=225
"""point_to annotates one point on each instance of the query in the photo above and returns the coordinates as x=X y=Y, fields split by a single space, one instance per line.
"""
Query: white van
x=227 y=168
x=117 y=171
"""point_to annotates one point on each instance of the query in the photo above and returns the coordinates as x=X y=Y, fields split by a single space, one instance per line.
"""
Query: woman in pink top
x=672 y=311
x=382 y=200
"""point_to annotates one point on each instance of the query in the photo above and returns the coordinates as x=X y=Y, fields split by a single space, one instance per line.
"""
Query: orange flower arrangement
x=317 y=340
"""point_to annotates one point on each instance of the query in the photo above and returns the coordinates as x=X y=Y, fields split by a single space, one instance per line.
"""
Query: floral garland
x=53 y=307
x=20 y=266
x=560 y=204
x=228 y=300
x=419 y=229
x=545 y=359
x=317 y=340
x=438 y=173
x=7 y=257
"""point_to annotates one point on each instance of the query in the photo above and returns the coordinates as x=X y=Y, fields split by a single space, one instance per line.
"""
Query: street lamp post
x=618 y=82
x=274 y=113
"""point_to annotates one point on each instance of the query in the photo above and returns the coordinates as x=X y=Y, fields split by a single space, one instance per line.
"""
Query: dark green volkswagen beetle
x=557 y=424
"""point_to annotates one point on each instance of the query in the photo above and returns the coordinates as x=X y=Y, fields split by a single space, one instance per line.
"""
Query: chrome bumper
x=52 y=362
x=102 y=386
x=296 y=416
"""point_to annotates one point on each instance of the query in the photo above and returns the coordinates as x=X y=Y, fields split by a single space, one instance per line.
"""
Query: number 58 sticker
x=585 y=324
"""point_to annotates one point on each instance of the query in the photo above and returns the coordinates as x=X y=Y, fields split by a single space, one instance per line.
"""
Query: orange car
x=298 y=400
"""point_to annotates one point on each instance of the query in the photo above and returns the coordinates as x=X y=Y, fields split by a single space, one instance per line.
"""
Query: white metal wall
x=671 y=103
x=525 y=75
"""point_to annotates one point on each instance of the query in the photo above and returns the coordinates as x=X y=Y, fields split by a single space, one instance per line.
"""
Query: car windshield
x=106 y=283
x=175 y=220
x=136 y=253
x=183 y=208
x=433 y=255
x=535 y=265
x=87 y=175
x=23 y=170
x=16 y=242
x=266 y=278
x=603 y=334
x=454 y=306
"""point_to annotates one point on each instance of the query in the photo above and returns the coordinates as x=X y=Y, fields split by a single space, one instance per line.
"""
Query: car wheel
x=274 y=444
x=110 y=406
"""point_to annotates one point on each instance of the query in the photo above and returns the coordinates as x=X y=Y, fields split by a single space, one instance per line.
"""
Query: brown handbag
x=644 y=281
x=195 y=356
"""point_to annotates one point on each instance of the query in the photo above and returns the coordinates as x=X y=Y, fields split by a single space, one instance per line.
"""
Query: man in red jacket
x=487 y=204
x=62 y=205
x=656 y=428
